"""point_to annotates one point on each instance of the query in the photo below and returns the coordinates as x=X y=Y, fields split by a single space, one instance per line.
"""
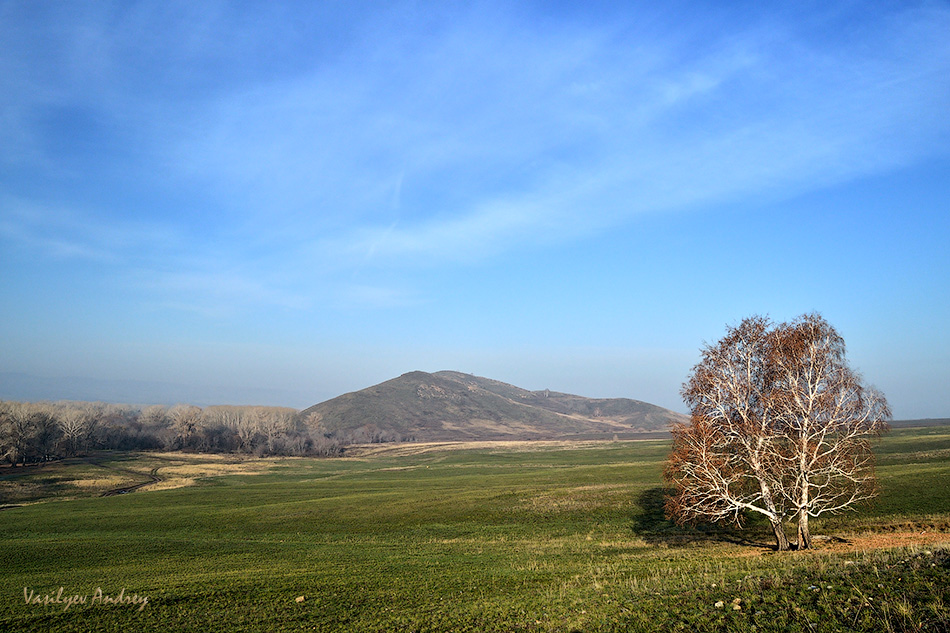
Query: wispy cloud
x=499 y=136
x=405 y=139
x=64 y=232
x=215 y=293
x=172 y=269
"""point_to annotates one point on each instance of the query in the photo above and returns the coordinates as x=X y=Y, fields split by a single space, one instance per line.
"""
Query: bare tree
x=779 y=426
x=277 y=424
x=184 y=419
x=16 y=429
x=28 y=432
x=723 y=462
x=155 y=416
x=228 y=417
x=247 y=427
x=46 y=434
x=77 y=421
x=826 y=416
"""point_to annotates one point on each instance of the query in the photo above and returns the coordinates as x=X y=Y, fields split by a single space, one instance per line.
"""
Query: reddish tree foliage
x=779 y=427
x=826 y=416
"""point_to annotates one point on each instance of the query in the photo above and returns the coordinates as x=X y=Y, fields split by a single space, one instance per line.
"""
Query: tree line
x=35 y=432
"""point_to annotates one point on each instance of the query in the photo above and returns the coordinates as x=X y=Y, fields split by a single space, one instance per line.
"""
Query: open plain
x=503 y=536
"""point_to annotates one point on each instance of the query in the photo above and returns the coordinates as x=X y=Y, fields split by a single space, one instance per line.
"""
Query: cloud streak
x=410 y=140
x=65 y=232
x=529 y=137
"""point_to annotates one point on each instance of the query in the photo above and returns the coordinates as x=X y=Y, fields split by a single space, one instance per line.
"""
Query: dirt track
x=153 y=478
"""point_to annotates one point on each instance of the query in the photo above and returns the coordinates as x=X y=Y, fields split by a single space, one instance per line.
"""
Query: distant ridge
x=452 y=406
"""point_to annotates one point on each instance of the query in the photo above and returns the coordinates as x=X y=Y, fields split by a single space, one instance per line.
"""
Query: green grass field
x=519 y=537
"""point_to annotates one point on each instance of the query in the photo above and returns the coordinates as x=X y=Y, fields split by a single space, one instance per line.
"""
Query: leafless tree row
x=44 y=431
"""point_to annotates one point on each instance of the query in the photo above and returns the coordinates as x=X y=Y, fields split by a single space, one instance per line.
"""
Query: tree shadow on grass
x=651 y=524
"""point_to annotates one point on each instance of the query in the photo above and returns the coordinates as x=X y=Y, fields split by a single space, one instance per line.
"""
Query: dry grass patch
x=106 y=481
x=177 y=470
x=890 y=540
x=101 y=473
x=69 y=479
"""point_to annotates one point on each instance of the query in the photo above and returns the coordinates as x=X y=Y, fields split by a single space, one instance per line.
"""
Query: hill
x=451 y=406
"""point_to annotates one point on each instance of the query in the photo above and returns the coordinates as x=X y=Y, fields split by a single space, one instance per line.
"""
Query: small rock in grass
x=299 y=599
x=720 y=604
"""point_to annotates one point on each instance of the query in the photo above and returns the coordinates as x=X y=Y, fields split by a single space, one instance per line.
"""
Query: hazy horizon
x=285 y=200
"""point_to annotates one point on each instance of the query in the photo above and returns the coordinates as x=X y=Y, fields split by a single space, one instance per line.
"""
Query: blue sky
x=288 y=201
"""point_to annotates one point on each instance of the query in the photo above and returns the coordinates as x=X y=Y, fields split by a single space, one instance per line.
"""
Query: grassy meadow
x=488 y=537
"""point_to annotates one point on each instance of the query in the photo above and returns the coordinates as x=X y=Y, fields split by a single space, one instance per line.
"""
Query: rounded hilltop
x=452 y=406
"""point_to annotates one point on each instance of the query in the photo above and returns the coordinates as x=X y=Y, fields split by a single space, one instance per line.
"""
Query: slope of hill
x=451 y=406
